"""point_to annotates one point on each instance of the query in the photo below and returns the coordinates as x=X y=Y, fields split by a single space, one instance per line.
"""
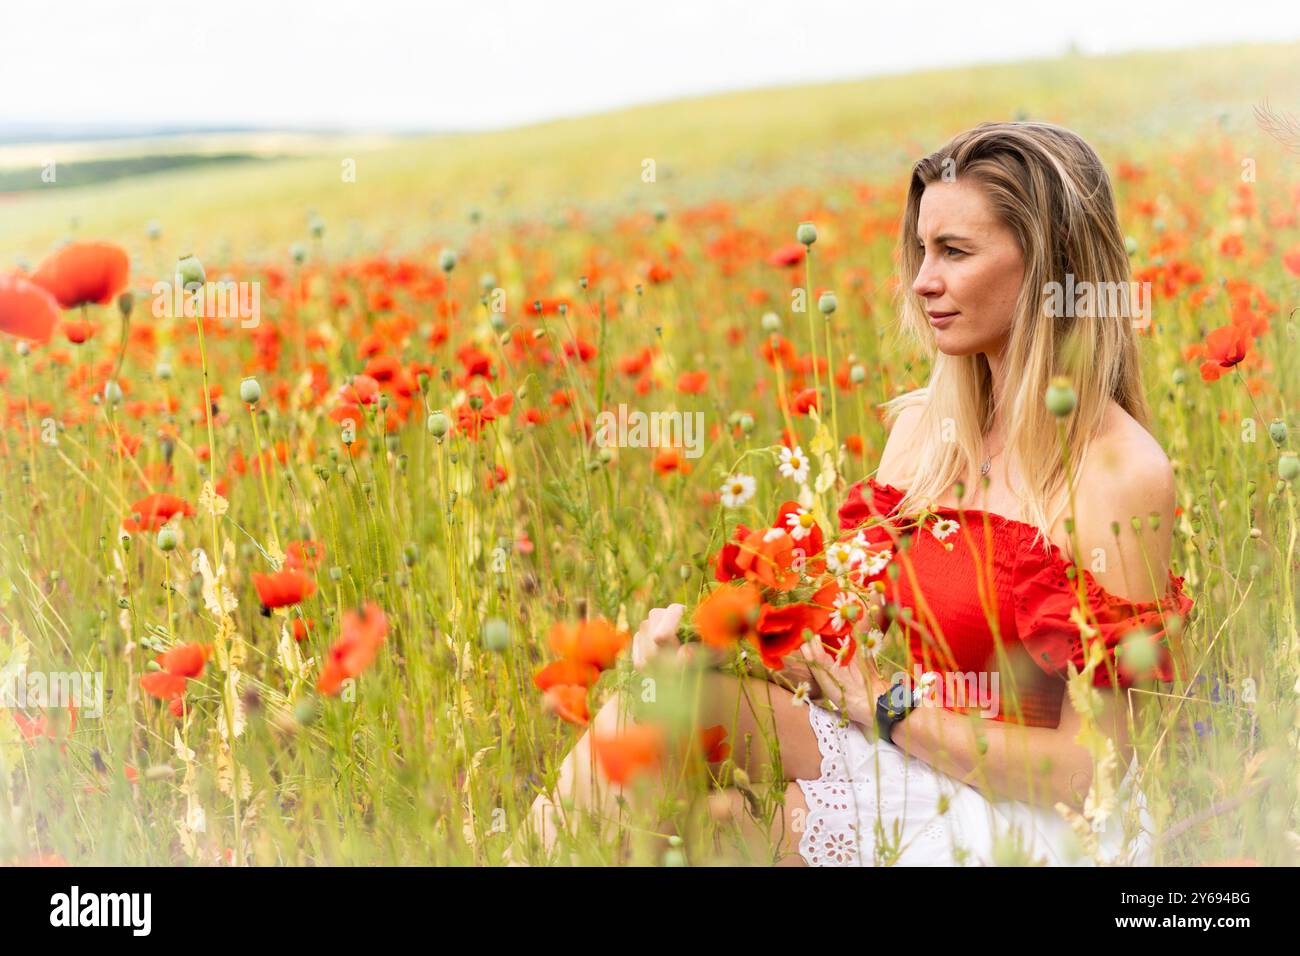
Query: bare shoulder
x=1126 y=480
x=896 y=461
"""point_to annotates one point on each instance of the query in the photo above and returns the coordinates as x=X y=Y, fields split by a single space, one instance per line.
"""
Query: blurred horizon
x=392 y=66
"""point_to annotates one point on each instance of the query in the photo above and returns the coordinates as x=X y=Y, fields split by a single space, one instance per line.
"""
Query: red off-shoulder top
x=995 y=585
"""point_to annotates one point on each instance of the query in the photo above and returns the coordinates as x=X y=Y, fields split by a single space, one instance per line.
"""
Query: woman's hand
x=853 y=688
x=657 y=633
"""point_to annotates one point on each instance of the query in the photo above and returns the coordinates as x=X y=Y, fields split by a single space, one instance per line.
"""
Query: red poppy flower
x=713 y=741
x=26 y=309
x=304 y=555
x=569 y=702
x=595 y=642
x=636 y=750
x=83 y=272
x=163 y=684
x=78 y=331
x=566 y=671
x=355 y=650
x=1224 y=348
x=185 y=660
x=780 y=630
x=725 y=567
x=791 y=254
x=153 y=511
x=693 y=383
x=728 y=615
x=283 y=588
x=766 y=557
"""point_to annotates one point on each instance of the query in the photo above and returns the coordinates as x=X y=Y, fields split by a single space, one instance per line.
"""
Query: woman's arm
x=1036 y=765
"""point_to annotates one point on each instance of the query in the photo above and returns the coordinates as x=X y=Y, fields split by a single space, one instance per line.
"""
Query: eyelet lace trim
x=845 y=802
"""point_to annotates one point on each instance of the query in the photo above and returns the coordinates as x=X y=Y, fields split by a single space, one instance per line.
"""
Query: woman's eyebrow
x=945 y=237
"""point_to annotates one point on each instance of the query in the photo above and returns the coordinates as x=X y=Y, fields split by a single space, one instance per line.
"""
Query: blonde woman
x=990 y=580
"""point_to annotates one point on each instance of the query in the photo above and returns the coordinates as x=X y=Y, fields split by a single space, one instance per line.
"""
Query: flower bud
x=827 y=303
x=496 y=635
x=806 y=233
x=250 y=392
x=857 y=374
x=1060 y=398
x=298 y=252
x=447 y=260
x=167 y=539
x=112 y=392
x=190 y=272
x=1277 y=431
x=1288 y=467
x=438 y=424
x=1130 y=245
x=125 y=302
x=771 y=322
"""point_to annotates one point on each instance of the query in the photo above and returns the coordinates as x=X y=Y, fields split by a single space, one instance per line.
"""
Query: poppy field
x=312 y=512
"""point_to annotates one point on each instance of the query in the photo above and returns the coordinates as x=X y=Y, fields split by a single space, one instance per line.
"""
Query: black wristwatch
x=891 y=707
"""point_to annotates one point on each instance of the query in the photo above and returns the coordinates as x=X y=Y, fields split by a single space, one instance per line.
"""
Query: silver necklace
x=984 y=468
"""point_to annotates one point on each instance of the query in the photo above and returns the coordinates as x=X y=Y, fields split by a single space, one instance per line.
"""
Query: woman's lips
x=941 y=320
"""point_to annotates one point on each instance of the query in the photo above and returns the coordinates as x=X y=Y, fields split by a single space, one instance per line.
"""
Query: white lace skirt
x=874 y=805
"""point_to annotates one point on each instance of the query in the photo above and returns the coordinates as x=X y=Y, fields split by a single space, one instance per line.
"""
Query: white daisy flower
x=873 y=641
x=773 y=534
x=943 y=527
x=794 y=464
x=737 y=489
x=841 y=556
x=800 y=523
x=873 y=562
x=844 y=617
x=801 y=694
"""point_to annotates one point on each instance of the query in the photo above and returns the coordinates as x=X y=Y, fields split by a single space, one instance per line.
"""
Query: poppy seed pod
x=438 y=424
x=250 y=392
x=806 y=233
x=190 y=272
x=167 y=539
x=298 y=252
x=1288 y=467
x=447 y=260
x=827 y=303
x=125 y=302
x=496 y=635
x=771 y=322
x=857 y=375
x=1277 y=431
x=1060 y=398
x=112 y=392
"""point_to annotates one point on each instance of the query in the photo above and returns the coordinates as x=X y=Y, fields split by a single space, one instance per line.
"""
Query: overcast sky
x=428 y=64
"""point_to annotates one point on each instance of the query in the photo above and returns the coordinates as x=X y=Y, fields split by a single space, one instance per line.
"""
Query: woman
x=983 y=585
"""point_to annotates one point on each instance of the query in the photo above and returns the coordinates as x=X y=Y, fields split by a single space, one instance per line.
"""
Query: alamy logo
x=21 y=689
x=103 y=909
x=212 y=300
x=638 y=429
x=1125 y=300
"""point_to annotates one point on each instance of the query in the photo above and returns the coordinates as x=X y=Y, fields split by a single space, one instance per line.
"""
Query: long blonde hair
x=1051 y=189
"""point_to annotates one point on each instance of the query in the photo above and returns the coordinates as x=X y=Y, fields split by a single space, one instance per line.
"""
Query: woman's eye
x=955 y=252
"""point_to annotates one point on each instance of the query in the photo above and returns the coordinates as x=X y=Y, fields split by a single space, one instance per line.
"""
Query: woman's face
x=971 y=271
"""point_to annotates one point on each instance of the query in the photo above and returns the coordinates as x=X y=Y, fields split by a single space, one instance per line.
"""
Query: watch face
x=899 y=698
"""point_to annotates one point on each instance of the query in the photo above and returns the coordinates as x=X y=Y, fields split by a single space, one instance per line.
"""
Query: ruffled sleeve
x=867 y=500
x=1049 y=616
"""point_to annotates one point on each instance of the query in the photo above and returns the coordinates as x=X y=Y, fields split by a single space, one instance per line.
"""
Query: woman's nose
x=927 y=283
